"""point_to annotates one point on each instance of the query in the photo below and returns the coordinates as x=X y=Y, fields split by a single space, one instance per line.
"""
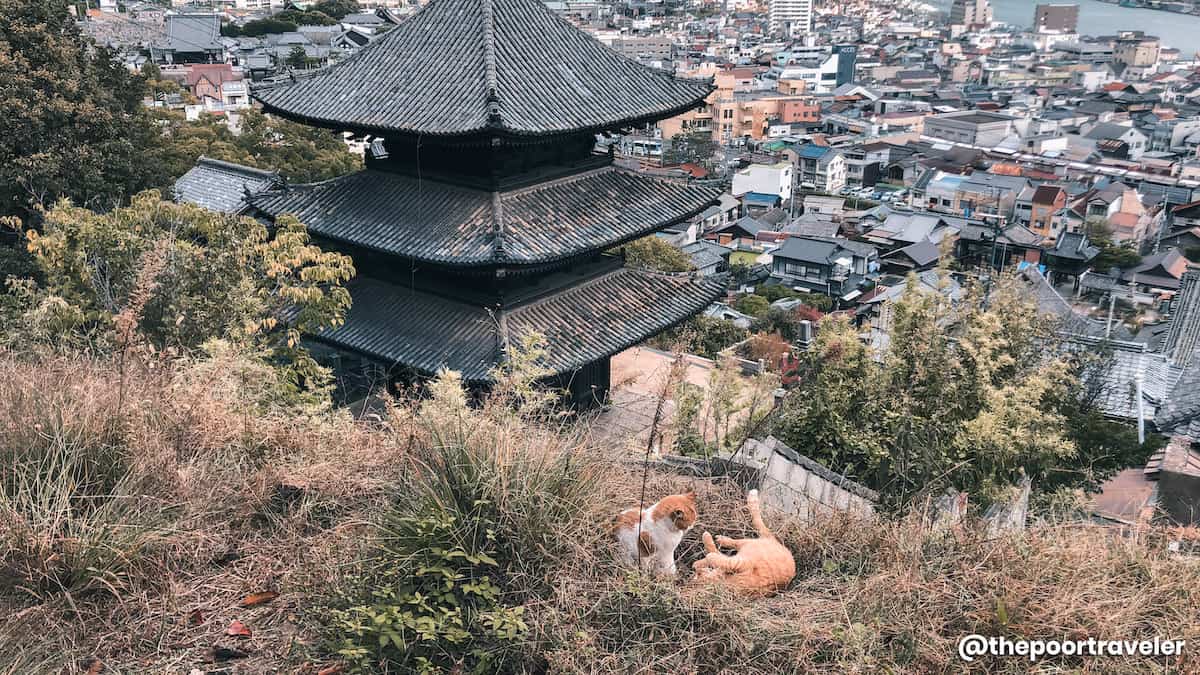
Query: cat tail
x=755 y=506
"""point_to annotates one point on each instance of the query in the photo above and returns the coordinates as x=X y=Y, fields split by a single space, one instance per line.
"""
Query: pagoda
x=484 y=210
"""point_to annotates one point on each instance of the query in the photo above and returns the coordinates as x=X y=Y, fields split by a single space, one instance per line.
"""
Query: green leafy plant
x=436 y=605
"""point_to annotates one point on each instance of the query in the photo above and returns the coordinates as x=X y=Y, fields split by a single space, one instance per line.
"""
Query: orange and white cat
x=761 y=566
x=663 y=525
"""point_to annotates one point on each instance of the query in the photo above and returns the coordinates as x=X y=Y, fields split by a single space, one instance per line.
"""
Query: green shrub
x=753 y=305
x=435 y=605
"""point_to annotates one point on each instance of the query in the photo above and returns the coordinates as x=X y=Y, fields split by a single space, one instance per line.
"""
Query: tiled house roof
x=461 y=67
x=222 y=186
x=458 y=226
x=581 y=323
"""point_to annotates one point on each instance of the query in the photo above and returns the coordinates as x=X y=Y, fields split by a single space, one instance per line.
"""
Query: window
x=794 y=269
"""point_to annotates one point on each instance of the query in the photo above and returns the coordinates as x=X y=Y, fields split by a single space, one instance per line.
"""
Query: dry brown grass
x=228 y=496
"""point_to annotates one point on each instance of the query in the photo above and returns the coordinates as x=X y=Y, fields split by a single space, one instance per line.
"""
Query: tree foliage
x=259 y=27
x=701 y=335
x=753 y=305
x=301 y=154
x=305 y=18
x=180 y=276
x=964 y=396
x=72 y=122
x=337 y=9
x=1112 y=254
x=697 y=147
x=657 y=254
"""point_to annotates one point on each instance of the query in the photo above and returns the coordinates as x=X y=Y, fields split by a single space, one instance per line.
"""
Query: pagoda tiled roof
x=457 y=226
x=581 y=323
x=462 y=67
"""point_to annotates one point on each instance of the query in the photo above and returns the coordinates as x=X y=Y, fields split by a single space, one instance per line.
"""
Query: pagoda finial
x=489 y=62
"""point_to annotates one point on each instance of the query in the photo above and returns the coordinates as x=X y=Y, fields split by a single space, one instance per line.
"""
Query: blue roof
x=760 y=198
x=810 y=151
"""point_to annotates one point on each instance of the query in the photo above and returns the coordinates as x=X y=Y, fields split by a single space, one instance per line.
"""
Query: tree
x=297 y=57
x=964 y=395
x=337 y=9
x=303 y=18
x=72 y=122
x=655 y=253
x=301 y=154
x=753 y=305
x=1122 y=256
x=696 y=147
x=1112 y=254
x=701 y=335
x=180 y=276
x=269 y=26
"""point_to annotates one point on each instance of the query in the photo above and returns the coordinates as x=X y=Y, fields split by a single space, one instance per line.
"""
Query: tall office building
x=791 y=17
x=1056 y=18
x=971 y=13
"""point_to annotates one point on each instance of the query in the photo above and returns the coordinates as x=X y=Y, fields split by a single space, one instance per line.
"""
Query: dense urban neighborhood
x=334 y=334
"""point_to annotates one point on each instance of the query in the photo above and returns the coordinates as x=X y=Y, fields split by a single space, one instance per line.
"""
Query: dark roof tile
x=451 y=225
x=460 y=67
x=581 y=323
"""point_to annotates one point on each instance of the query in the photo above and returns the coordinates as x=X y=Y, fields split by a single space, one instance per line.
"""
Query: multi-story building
x=821 y=168
x=644 y=47
x=1056 y=18
x=791 y=17
x=971 y=13
x=1138 y=52
x=735 y=111
x=770 y=179
x=969 y=127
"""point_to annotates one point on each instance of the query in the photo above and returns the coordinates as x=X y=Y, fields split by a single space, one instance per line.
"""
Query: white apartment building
x=769 y=179
x=791 y=17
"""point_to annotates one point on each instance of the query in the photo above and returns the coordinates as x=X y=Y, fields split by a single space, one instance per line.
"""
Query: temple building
x=484 y=212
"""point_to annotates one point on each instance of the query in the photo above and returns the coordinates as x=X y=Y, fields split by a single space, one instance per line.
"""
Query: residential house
x=218 y=82
x=989 y=195
x=980 y=245
x=836 y=267
x=917 y=257
x=745 y=229
x=1110 y=138
x=878 y=309
x=900 y=229
x=1042 y=209
x=707 y=257
x=821 y=167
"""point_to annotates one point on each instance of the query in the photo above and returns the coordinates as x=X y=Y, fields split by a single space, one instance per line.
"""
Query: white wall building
x=770 y=179
x=791 y=17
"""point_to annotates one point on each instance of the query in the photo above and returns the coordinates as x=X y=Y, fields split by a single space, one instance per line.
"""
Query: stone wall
x=796 y=484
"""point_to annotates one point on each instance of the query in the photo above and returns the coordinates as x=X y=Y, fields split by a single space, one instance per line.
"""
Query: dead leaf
x=237 y=629
x=335 y=669
x=218 y=653
x=195 y=617
x=256 y=599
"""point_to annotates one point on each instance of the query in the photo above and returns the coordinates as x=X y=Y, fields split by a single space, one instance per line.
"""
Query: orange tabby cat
x=761 y=566
x=662 y=528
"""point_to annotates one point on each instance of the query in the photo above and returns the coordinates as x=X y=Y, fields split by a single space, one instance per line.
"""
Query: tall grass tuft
x=77 y=507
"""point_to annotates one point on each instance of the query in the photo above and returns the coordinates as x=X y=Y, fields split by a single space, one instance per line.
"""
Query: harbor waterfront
x=1181 y=31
